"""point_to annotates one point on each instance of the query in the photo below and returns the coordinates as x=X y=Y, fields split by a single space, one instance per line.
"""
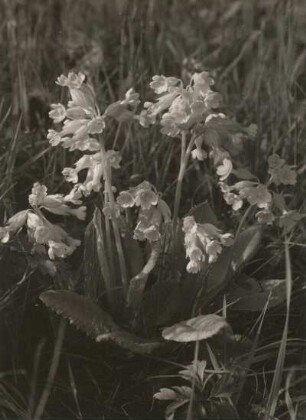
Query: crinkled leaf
x=88 y=317
x=198 y=328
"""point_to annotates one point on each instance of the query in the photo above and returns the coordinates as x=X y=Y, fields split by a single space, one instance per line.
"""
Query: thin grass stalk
x=196 y=358
x=52 y=371
x=277 y=377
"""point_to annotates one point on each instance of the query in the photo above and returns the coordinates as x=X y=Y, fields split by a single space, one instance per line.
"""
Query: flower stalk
x=115 y=225
x=185 y=154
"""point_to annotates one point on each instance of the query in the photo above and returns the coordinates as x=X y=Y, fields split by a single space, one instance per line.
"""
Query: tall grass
x=256 y=50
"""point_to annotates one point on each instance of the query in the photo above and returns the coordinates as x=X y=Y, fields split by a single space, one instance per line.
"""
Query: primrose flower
x=123 y=110
x=202 y=241
x=225 y=169
x=161 y=84
x=198 y=154
x=231 y=198
x=280 y=172
x=15 y=223
x=148 y=225
x=54 y=203
x=255 y=193
x=146 y=198
x=94 y=167
x=152 y=214
x=179 y=107
x=126 y=199
x=73 y=81
x=57 y=241
x=58 y=113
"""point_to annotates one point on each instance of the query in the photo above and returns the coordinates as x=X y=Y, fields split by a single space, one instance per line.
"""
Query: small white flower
x=39 y=192
x=225 y=169
x=58 y=113
x=73 y=81
x=126 y=199
x=96 y=125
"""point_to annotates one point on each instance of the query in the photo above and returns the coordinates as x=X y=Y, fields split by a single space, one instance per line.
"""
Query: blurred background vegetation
x=255 y=49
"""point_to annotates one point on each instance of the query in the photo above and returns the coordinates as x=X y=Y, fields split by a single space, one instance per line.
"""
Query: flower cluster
x=94 y=166
x=202 y=242
x=82 y=118
x=153 y=211
x=43 y=234
x=57 y=203
x=82 y=122
x=256 y=194
x=179 y=107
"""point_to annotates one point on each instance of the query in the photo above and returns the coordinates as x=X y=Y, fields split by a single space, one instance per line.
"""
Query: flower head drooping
x=94 y=167
x=178 y=107
x=203 y=241
x=55 y=203
x=12 y=226
x=57 y=241
x=50 y=238
x=153 y=211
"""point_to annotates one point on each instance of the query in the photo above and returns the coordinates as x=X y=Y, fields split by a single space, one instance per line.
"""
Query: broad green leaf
x=165 y=394
x=245 y=246
x=177 y=393
x=88 y=317
x=97 y=277
x=253 y=296
x=203 y=213
x=194 y=329
x=217 y=276
x=243 y=173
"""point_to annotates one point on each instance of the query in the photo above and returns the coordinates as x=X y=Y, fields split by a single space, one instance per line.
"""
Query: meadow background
x=256 y=50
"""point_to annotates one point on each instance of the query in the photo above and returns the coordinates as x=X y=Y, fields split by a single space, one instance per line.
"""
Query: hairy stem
x=185 y=154
x=115 y=225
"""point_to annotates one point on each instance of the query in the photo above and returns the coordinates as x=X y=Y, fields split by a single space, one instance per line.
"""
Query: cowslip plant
x=136 y=224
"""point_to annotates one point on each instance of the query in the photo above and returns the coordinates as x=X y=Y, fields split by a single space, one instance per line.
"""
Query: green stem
x=185 y=154
x=115 y=225
x=242 y=221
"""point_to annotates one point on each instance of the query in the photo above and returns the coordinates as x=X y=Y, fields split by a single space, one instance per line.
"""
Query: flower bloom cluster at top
x=180 y=108
x=82 y=118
